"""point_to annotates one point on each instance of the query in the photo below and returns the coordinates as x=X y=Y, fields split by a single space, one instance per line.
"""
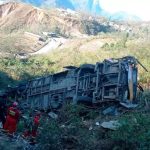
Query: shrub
x=134 y=132
x=68 y=132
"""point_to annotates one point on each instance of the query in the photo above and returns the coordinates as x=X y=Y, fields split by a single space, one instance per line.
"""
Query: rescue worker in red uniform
x=31 y=126
x=12 y=118
x=36 y=123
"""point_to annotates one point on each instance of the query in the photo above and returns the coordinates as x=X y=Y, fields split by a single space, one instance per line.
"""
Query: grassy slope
x=55 y=61
x=71 y=130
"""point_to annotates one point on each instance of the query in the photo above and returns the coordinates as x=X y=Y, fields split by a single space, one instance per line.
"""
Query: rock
x=53 y=115
x=112 y=125
x=90 y=128
x=62 y=126
x=110 y=111
x=97 y=123
x=25 y=117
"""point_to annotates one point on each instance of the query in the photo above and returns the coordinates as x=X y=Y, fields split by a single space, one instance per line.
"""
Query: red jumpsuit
x=12 y=119
x=36 y=123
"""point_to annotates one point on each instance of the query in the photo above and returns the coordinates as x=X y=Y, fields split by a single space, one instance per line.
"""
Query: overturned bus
x=110 y=80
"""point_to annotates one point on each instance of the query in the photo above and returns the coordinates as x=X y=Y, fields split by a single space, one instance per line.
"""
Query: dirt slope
x=17 y=18
x=14 y=16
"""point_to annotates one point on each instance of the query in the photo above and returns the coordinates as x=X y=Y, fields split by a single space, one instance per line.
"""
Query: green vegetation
x=72 y=129
x=75 y=129
x=134 y=132
x=55 y=61
x=15 y=70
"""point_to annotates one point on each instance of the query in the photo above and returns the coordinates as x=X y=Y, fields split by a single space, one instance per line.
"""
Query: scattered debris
x=63 y=126
x=129 y=105
x=97 y=123
x=53 y=115
x=90 y=128
x=111 y=111
x=25 y=117
x=112 y=125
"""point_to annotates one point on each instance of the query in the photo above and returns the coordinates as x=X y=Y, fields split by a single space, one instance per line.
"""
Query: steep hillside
x=18 y=15
x=14 y=16
x=17 y=18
